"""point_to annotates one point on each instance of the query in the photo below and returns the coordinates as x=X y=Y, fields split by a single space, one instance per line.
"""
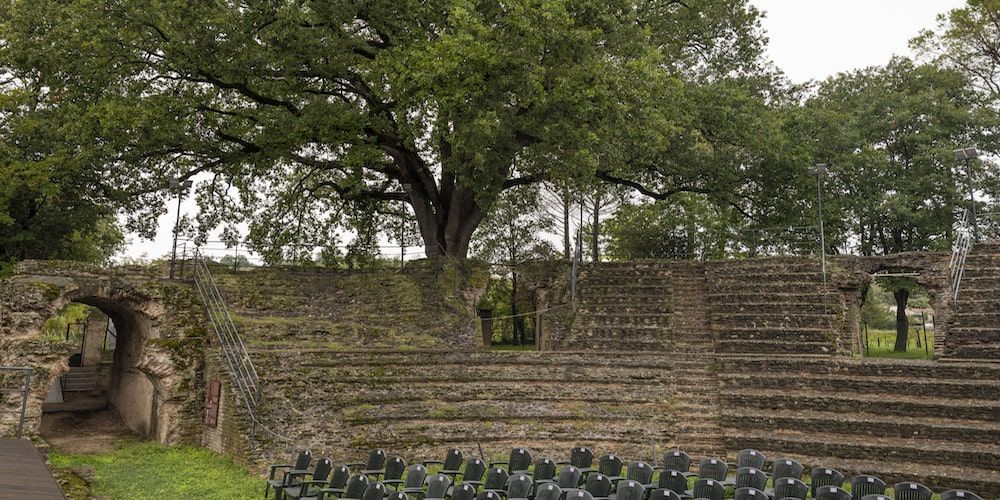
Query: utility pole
x=820 y=171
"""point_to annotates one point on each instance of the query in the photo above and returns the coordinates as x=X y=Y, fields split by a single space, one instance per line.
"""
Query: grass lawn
x=142 y=469
x=881 y=342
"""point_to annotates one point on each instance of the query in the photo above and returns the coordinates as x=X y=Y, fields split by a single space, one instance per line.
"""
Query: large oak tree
x=293 y=110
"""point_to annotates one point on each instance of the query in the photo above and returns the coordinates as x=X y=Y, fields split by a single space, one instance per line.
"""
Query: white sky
x=809 y=40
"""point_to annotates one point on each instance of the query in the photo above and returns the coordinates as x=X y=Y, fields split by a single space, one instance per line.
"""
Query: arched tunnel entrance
x=103 y=392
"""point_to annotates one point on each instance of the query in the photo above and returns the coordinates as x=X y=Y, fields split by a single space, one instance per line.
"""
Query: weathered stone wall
x=156 y=376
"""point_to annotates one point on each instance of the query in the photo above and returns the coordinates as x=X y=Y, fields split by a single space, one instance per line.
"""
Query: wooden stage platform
x=23 y=473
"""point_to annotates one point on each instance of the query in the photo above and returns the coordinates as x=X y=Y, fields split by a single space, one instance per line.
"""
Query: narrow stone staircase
x=80 y=379
x=974 y=331
x=696 y=393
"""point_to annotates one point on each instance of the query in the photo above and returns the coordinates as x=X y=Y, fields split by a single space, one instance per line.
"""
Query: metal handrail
x=25 y=391
x=963 y=244
x=233 y=348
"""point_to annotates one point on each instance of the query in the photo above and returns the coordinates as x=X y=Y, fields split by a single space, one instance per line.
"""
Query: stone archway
x=156 y=374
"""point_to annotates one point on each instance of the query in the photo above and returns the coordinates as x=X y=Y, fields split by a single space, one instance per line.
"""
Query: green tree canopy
x=298 y=110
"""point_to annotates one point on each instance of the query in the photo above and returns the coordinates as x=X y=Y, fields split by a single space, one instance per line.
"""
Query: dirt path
x=83 y=432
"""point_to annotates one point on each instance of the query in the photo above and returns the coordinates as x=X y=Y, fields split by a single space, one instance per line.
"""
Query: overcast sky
x=809 y=40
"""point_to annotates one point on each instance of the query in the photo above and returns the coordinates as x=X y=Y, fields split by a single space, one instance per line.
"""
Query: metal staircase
x=234 y=351
x=963 y=243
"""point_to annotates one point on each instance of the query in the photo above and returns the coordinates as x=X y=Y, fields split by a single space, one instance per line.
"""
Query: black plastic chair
x=496 y=479
x=674 y=481
x=437 y=488
x=611 y=466
x=451 y=465
x=959 y=495
x=677 y=460
x=519 y=487
x=864 y=485
x=708 y=488
x=786 y=467
x=548 y=491
x=300 y=462
x=598 y=485
x=749 y=493
x=489 y=495
x=569 y=477
x=712 y=468
x=338 y=479
x=630 y=490
x=393 y=471
x=473 y=473
x=640 y=472
x=397 y=495
x=353 y=490
x=750 y=477
x=582 y=458
x=876 y=497
x=545 y=471
x=830 y=492
x=375 y=491
x=750 y=458
x=463 y=492
x=908 y=490
x=790 y=487
x=297 y=486
x=414 y=480
x=375 y=464
x=519 y=461
x=663 y=494
x=579 y=495
x=822 y=476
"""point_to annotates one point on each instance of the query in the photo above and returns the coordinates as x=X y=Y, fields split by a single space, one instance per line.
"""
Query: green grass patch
x=881 y=342
x=141 y=470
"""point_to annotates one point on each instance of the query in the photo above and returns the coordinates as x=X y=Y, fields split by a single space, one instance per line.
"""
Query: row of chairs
x=520 y=478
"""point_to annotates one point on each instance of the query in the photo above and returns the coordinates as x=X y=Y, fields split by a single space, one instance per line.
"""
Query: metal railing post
x=24 y=402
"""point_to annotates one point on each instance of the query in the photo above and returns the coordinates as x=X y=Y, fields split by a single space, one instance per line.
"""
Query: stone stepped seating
x=974 y=331
x=932 y=421
x=80 y=379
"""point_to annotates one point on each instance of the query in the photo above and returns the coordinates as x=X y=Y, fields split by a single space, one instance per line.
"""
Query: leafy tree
x=297 y=109
x=967 y=39
x=890 y=135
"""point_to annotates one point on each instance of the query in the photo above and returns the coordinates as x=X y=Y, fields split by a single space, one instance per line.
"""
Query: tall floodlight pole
x=967 y=155
x=181 y=186
x=819 y=171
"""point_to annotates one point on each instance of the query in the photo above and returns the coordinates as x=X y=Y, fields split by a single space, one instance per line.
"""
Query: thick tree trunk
x=447 y=230
x=901 y=295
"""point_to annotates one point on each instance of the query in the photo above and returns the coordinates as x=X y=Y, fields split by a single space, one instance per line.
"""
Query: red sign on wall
x=212 y=403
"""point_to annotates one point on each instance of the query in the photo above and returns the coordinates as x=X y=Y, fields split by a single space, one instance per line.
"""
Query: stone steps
x=80 y=379
x=595 y=309
x=911 y=369
x=856 y=425
x=776 y=334
x=912 y=450
x=835 y=403
x=773 y=346
x=954 y=389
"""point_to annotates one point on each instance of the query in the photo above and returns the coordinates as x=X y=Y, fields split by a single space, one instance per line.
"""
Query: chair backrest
x=581 y=457
x=376 y=459
x=569 y=477
x=322 y=469
x=415 y=476
x=959 y=495
x=876 y=497
x=630 y=490
x=489 y=495
x=463 y=491
x=750 y=458
x=302 y=459
x=750 y=477
x=822 y=476
x=864 y=485
x=610 y=465
x=640 y=472
x=356 y=486
x=437 y=486
x=520 y=460
x=786 y=467
x=831 y=492
x=663 y=494
x=397 y=495
x=579 y=495
x=544 y=469
x=395 y=468
x=548 y=491
x=598 y=485
x=911 y=491
x=496 y=479
x=677 y=460
x=673 y=480
x=453 y=459
x=375 y=491
x=708 y=488
x=474 y=470
x=712 y=468
x=519 y=486
x=790 y=487
x=339 y=477
x=749 y=493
